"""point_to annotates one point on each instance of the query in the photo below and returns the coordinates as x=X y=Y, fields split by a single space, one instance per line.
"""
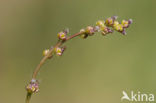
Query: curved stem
x=50 y=52
x=101 y=26
x=28 y=97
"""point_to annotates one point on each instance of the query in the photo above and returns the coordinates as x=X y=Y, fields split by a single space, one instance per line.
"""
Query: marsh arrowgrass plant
x=104 y=27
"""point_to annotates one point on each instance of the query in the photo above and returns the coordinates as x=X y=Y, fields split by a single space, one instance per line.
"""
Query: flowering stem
x=101 y=26
x=50 y=52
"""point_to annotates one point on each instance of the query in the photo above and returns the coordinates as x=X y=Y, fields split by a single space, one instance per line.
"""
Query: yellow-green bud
x=45 y=52
x=82 y=31
x=89 y=30
x=109 y=22
x=125 y=23
x=119 y=27
x=100 y=23
x=84 y=36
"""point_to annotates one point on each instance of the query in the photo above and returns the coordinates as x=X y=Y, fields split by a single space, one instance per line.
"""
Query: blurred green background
x=95 y=70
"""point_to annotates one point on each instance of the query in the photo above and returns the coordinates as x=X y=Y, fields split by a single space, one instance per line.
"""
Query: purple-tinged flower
x=33 y=86
x=110 y=21
x=124 y=32
x=62 y=35
x=130 y=21
x=106 y=30
x=109 y=30
x=59 y=51
x=126 y=24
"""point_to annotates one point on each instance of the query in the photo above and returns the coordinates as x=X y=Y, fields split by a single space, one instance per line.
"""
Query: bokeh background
x=95 y=70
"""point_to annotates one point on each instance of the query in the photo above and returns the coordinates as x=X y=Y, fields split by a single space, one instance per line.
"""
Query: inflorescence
x=105 y=27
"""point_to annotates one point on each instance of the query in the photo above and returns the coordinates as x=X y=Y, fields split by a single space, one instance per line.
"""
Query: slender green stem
x=28 y=97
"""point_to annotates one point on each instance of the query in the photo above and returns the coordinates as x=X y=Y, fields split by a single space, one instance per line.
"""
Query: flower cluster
x=32 y=87
x=58 y=51
x=116 y=25
x=104 y=27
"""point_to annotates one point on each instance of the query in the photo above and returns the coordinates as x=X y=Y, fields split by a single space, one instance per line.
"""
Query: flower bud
x=100 y=23
x=59 y=51
x=119 y=27
x=115 y=23
x=82 y=31
x=125 y=23
x=62 y=35
x=109 y=22
x=90 y=30
x=84 y=36
x=106 y=30
x=124 y=32
x=45 y=52
x=130 y=21
x=32 y=87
